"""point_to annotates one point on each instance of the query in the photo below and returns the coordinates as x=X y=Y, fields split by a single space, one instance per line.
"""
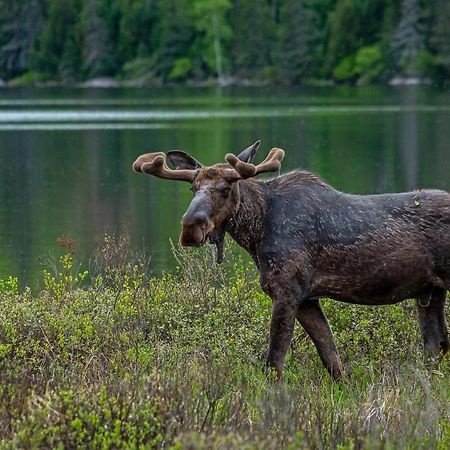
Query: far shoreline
x=113 y=83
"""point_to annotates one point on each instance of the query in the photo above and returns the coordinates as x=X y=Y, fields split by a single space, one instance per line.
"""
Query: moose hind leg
x=314 y=322
x=430 y=310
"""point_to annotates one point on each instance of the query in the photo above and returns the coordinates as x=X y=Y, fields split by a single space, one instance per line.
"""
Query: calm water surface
x=65 y=155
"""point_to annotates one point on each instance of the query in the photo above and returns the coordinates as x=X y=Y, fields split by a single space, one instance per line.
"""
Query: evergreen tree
x=58 y=39
x=71 y=62
x=111 y=12
x=391 y=14
x=253 y=38
x=301 y=40
x=20 y=22
x=440 y=37
x=136 y=28
x=275 y=10
x=408 y=37
x=98 y=52
x=343 y=38
x=174 y=36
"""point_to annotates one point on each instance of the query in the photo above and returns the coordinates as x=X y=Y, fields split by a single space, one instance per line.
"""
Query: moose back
x=309 y=241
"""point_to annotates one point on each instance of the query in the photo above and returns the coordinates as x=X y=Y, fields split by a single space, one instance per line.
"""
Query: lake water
x=66 y=154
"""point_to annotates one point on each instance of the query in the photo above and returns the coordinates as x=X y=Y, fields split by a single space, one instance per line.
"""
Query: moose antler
x=155 y=164
x=247 y=170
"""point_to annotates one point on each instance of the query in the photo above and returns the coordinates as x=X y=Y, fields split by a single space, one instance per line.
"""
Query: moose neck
x=247 y=225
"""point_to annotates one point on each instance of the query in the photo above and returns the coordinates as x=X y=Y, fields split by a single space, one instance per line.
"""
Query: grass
x=115 y=358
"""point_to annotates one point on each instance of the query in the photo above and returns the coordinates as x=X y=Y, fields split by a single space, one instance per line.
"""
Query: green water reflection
x=65 y=155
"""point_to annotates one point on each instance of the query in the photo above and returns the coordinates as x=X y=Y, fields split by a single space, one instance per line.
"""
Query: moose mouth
x=198 y=235
x=194 y=236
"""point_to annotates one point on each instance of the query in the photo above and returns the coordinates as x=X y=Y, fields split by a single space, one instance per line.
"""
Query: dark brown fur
x=310 y=241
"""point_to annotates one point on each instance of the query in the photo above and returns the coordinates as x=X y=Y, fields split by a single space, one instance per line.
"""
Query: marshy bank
x=114 y=357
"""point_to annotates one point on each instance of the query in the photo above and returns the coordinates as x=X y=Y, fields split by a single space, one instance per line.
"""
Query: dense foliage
x=132 y=361
x=283 y=41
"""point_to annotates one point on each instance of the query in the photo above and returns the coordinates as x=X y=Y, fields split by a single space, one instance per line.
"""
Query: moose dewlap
x=309 y=240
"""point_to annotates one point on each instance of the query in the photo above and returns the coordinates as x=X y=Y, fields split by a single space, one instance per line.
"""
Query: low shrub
x=366 y=66
x=175 y=361
x=30 y=78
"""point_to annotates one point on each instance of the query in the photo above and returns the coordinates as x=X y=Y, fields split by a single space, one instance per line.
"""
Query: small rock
x=408 y=81
x=104 y=82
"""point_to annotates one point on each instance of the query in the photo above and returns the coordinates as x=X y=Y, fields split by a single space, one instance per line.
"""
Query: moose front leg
x=281 y=331
x=314 y=322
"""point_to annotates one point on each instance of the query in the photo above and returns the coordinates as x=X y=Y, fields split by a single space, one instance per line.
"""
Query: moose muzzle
x=197 y=225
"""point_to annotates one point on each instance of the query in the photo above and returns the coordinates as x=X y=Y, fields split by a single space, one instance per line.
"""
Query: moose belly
x=381 y=279
x=380 y=291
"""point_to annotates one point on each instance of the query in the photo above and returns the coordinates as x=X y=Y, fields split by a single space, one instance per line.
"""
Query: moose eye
x=225 y=191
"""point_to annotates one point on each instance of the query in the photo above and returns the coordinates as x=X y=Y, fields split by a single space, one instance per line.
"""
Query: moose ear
x=181 y=160
x=248 y=154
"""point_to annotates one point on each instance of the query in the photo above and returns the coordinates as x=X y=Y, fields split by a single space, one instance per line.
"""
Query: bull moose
x=309 y=241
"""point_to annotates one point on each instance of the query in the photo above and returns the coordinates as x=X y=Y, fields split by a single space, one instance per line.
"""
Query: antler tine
x=245 y=170
x=272 y=163
x=146 y=158
x=155 y=164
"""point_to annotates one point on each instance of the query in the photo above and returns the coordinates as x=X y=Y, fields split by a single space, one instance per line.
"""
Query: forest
x=156 y=42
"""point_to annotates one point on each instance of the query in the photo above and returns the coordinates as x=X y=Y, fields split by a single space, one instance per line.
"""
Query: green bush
x=30 y=78
x=369 y=64
x=181 y=69
x=366 y=65
x=426 y=64
x=9 y=285
x=345 y=70
x=138 y=68
x=85 y=419
x=175 y=361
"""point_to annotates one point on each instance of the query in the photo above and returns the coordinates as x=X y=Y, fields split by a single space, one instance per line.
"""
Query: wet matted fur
x=309 y=241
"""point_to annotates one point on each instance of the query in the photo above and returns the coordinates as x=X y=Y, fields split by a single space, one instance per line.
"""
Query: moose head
x=216 y=189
